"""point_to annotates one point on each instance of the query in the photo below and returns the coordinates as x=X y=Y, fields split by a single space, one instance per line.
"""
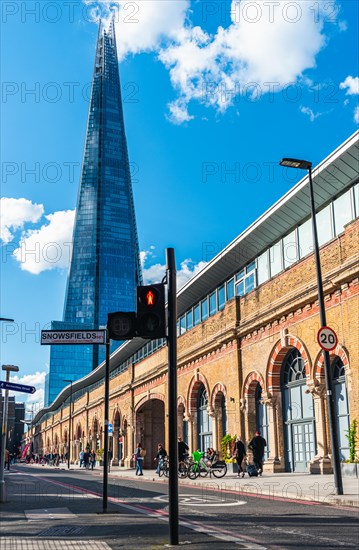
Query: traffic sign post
x=79 y=337
x=17 y=387
x=327 y=338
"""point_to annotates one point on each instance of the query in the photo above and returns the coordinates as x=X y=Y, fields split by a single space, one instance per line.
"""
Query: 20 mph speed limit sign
x=327 y=339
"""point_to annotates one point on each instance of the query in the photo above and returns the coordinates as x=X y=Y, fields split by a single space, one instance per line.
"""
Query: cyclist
x=161 y=453
x=182 y=450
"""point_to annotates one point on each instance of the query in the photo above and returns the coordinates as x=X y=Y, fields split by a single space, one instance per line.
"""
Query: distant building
x=248 y=356
x=15 y=428
x=105 y=267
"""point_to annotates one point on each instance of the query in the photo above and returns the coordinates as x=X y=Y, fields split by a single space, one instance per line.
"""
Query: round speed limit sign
x=327 y=338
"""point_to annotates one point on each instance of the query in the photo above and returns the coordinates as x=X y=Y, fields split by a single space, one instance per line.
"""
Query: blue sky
x=214 y=94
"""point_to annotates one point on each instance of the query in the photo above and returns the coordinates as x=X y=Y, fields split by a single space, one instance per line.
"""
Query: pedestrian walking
x=92 y=459
x=7 y=460
x=139 y=454
x=239 y=453
x=82 y=454
x=87 y=459
x=257 y=446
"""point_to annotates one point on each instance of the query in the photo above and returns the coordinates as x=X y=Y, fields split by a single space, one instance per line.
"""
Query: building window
x=305 y=238
x=275 y=258
x=189 y=317
x=197 y=314
x=246 y=279
x=230 y=289
x=221 y=297
x=343 y=212
x=213 y=303
x=325 y=225
x=263 y=268
x=290 y=249
x=204 y=309
x=182 y=324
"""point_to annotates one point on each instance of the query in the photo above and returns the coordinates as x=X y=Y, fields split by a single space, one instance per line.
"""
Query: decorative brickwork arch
x=250 y=384
x=318 y=368
x=144 y=400
x=194 y=387
x=78 y=432
x=218 y=389
x=116 y=420
x=276 y=361
x=181 y=401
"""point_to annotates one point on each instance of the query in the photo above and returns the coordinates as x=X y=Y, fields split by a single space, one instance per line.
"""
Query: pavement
x=292 y=486
x=47 y=509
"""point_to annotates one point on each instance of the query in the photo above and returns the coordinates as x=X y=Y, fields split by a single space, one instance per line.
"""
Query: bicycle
x=183 y=467
x=163 y=467
x=199 y=467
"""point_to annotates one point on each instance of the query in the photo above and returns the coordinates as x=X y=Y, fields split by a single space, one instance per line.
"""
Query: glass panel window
x=342 y=212
x=189 y=319
x=290 y=250
x=212 y=303
x=240 y=288
x=197 y=314
x=230 y=289
x=324 y=225
x=305 y=238
x=356 y=199
x=204 y=307
x=250 y=282
x=251 y=267
x=221 y=297
x=182 y=324
x=240 y=275
x=263 y=268
x=275 y=258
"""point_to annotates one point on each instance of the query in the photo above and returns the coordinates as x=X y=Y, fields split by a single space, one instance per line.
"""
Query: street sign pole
x=106 y=414
x=8 y=369
x=172 y=396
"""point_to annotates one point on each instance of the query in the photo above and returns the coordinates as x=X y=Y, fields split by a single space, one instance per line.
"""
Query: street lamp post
x=70 y=421
x=8 y=369
x=307 y=165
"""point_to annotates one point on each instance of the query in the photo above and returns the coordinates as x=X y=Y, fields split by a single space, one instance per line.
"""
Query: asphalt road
x=57 y=503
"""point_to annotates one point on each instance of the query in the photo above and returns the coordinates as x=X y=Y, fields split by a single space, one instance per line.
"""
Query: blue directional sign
x=110 y=429
x=17 y=387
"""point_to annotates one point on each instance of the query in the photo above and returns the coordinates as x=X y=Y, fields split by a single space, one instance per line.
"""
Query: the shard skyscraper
x=105 y=267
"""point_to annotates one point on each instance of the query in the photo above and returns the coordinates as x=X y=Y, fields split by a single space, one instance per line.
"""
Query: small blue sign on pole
x=110 y=429
x=17 y=387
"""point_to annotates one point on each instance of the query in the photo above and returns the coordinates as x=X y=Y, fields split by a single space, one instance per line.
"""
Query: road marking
x=26 y=543
x=48 y=513
x=193 y=500
x=246 y=542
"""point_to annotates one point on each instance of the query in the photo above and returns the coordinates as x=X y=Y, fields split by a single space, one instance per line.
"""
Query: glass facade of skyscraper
x=105 y=268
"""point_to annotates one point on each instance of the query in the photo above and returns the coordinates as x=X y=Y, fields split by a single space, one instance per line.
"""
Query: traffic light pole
x=172 y=395
x=106 y=414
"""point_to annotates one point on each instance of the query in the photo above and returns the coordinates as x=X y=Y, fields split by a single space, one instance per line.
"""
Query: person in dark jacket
x=257 y=446
x=160 y=457
x=182 y=450
x=239 y=452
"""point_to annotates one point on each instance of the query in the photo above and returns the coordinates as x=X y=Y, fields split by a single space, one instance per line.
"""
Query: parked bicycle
x=184 y=466
x=200 y=467
x=163 y=467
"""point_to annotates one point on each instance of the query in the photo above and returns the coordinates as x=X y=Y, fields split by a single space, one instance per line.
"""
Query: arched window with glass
x=262 y=423
x=341 y=406
x=204 y=421
x=298 y=414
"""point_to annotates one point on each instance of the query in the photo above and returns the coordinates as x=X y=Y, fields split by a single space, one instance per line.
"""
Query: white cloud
x=351 y=85
x=48 y=247
x=142 y=26
x=356 y=114
x=261 y=50
x=310 y=113
x=37 y=380
x=155 y=273
x=266 y=42
x=15 y=213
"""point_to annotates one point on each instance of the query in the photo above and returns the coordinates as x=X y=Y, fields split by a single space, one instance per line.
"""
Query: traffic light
x=121 y=325
x=151 y=318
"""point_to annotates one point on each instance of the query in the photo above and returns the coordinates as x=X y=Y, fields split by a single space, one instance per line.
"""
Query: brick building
x=15 y=426
x=248 y=357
